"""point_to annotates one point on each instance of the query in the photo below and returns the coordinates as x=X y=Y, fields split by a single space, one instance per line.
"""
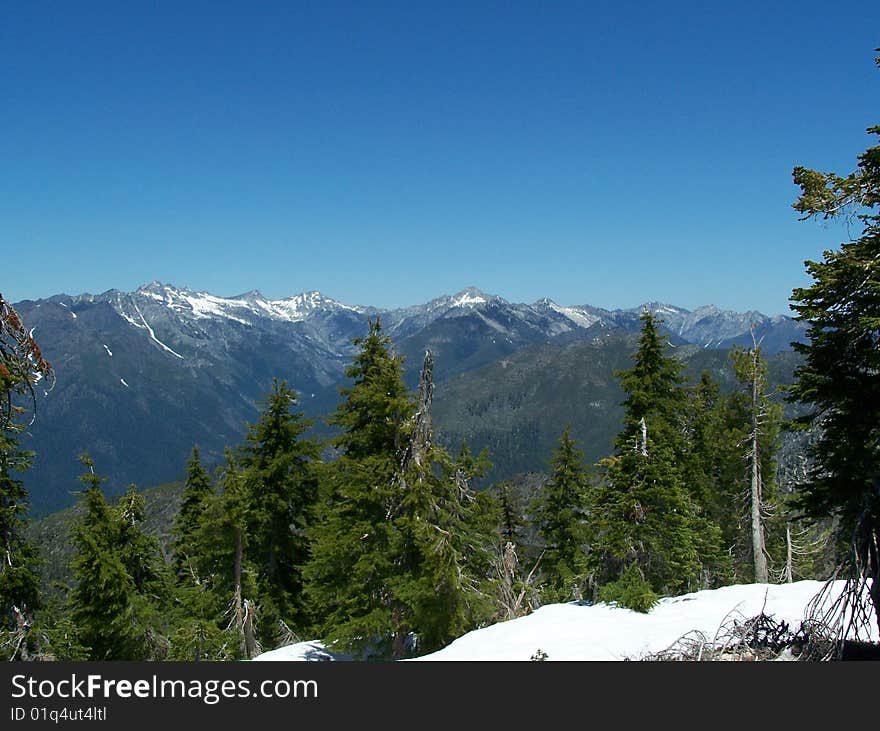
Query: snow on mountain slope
x=604 y=632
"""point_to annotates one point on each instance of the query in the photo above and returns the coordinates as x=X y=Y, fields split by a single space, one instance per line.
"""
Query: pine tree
x=223 y=605
x=642 y=512
x=122 y=593
x=560 y=514
x=21 y=367
x=655 y=400
x=511 y=514
x=354 y=540
x=838 y=378
x=759 y=451
x=279 y=471
x=442 y=542
x=102 y=602
x=19 y=558
x=197 y=490
x=401 y=544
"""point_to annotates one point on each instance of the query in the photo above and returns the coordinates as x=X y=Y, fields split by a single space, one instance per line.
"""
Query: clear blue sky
x=596 y=152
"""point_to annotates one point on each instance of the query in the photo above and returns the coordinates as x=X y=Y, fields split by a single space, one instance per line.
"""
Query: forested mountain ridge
x=142 y=376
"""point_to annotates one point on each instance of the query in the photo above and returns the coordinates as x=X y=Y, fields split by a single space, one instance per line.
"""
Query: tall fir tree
x=19 y=557
x=655 y=399
x=279 y=465
x=224 y=604
x=838 y=377
x=197 y=490
x=355 y=539
x=642 y=511
x=560 y=514
x=399 y=536
x=21 y=367
x=121 y=596
x=102 y=600
x=758 y=452
x=511 y=516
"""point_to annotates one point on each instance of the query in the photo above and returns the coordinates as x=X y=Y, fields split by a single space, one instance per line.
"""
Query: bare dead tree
x=513 y=592
x=22 y=365
x=420 y=440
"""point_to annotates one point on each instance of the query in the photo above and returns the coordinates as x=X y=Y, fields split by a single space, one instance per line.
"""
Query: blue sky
x=606 y=153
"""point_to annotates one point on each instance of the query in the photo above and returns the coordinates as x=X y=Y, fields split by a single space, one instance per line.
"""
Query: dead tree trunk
x=243 y=609
x=789 y=555
x=420 y=441
x=759 y=549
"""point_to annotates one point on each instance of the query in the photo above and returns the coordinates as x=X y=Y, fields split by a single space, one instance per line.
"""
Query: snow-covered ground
x=604 y=632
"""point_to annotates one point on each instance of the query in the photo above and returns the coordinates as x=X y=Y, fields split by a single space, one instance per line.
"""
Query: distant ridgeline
x=143 y=376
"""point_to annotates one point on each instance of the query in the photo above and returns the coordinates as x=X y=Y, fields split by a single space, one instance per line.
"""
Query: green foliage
x=400 y=546
x=642 y=512
x=222 y=537
x=560 y=513
x=511 y=516
x=119 y=580
x=19 y=577
x=375 y=411
x=630 y=591
x=653 y=391
x=196 y=492
x=21 y=364
x=281 y=491
x=838 y=379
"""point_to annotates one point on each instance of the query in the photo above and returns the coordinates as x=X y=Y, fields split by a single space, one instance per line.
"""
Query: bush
x=630 y=591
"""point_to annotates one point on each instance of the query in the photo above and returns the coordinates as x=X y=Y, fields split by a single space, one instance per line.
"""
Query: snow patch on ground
x=604 y=632
x=578 y=631
x=301 y=651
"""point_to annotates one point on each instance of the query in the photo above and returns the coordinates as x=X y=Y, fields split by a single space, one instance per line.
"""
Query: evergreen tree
x=838 y=378
x=642 y=511
x=120 y=600
x=401 y=544
x=441 y=547
x=560 y=514
x=700 y=465
x=21 y=366
x=223 y=605
x=102 y=602
x=642 y=515
x=19 y=558
x=655 y=399
x=196 y=492
x=758 y=453
x=282 y=487
x=355 y=539
x=511 y=515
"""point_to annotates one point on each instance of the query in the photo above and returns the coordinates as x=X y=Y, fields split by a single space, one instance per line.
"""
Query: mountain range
x=144 y=375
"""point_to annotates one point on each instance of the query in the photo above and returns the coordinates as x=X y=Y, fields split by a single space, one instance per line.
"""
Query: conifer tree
x=703 y=431
x=642 y=512
x=354 y=540
x=196 y=492
x=511 y=518
x=400 y=547
x=760 y=448
x=120 y=600
x=21 y=366
x=282 y=488
x=224 y=603
x=19 y=558
x=102 y=602
x=560 y=514
x=655 y=399
x=838 y=378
